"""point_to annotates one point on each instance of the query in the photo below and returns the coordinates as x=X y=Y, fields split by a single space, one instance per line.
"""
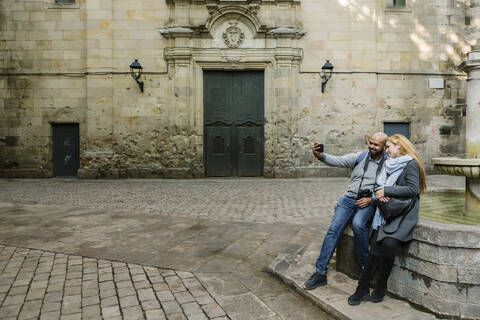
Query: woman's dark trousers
x=387 y=249
x=381 y=256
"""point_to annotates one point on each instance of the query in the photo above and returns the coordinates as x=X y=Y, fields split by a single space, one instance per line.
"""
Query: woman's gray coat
x=407 y=186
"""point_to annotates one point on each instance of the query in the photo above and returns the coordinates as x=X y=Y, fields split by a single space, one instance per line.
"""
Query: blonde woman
x=402 y=176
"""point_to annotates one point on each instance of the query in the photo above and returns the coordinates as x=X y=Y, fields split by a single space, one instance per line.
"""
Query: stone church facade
x=230 y=88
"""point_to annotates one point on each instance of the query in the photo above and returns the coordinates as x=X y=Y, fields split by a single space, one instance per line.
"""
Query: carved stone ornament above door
x=233 y=36
x=232 y=24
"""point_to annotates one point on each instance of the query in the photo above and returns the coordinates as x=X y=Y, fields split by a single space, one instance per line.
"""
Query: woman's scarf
x=392 y=169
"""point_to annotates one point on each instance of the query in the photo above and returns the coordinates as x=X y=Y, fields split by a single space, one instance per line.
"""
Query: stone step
x=297 y=263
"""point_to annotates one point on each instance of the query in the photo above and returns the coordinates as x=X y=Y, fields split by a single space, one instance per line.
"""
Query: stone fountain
x=470 y=166
x=440 y=268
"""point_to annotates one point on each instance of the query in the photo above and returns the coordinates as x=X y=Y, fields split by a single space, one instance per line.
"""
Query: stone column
x=475 y=23
x=181 y=114
x=473 y=108
x=472 y=66
x=286 y=108
x=98 y=152
x=470 y=167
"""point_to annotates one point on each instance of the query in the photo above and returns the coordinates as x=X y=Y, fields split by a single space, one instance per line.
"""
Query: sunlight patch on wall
x=426 y=50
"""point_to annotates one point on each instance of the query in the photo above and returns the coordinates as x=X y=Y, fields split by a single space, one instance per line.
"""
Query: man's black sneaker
x=361 y=294
x=315 y=280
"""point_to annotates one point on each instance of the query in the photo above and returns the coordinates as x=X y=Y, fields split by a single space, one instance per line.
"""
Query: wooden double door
x=233 y=123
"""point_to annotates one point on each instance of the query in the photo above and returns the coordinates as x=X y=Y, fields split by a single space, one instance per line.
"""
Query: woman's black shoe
x=377 y=295
x=361 y=294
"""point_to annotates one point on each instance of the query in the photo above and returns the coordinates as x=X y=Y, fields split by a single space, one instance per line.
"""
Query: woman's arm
x=412 y=179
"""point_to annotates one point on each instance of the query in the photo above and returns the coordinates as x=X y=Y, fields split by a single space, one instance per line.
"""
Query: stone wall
x=69 y=63
x=438 y=270
x=394 y=45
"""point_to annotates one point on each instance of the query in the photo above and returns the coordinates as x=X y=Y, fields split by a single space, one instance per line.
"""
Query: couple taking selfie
x=382 y=196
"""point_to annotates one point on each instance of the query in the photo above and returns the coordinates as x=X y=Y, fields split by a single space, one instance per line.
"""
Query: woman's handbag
x=395 y=207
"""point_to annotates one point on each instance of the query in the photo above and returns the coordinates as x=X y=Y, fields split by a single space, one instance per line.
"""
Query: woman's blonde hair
x=407 y=148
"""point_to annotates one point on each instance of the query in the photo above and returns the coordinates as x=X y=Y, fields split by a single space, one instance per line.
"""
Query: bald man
x=355 y=206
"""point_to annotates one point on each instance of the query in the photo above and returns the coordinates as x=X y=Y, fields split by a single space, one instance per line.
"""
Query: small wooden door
x=233 y=113
x=66 y=160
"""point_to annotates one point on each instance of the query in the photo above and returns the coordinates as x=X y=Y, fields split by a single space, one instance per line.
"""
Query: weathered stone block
x=436 y=271
x=469 y=275
x=470 y=310
x=427 y=273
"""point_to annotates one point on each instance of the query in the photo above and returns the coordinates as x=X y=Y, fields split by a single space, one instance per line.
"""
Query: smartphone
x=319 y=148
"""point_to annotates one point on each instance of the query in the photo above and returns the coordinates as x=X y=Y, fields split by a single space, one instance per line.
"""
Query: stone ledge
x=25 y=173
x=64 y=6
x=101 y=173
x=296 y=264
x=448 y=235
x=139 y=173
x=454 y=161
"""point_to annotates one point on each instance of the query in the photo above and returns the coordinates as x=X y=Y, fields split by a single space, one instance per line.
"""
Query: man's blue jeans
x=345 y=212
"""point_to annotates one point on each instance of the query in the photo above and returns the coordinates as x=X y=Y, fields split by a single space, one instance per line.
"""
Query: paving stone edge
x=283 y=258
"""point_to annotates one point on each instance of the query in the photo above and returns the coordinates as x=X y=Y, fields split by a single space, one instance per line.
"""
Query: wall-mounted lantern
x=326 y=73
x=136 y=73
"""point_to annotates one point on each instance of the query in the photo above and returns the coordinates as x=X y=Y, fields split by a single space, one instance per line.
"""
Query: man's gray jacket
x=348 y=161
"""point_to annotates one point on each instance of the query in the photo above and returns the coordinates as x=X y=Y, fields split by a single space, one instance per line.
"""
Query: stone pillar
x=182 y=13
x=181 y=115
x=286 y=109
x=97 y=155
x=475 y=23
x=472 y=66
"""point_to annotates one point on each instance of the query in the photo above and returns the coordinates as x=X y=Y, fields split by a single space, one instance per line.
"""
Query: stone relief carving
x=244 y=19
x=232 y=58
x=212 y=8
x=233 y=36
x=253 y=8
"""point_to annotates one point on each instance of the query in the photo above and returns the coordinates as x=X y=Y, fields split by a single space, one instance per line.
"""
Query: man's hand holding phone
x=318 y=150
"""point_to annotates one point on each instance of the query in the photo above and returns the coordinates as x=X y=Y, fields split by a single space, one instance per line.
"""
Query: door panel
x=218 y=98
x=248 y=102
x=65 y=149
x=233 y=101
x=219 y=156
x=250 y=142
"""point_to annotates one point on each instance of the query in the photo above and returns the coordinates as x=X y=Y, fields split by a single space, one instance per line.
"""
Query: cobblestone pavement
x=47 y=285
x=160 y=249
x=228 y=258
x=258 y=200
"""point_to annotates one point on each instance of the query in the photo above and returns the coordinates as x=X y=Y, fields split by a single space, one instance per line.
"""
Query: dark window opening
x=391 y=128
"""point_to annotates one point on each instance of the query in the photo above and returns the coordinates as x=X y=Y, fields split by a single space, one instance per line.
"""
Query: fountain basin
x=469 y=168
x=447 y=207
x=438 y=270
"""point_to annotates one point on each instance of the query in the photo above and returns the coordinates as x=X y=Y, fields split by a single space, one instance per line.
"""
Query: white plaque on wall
x=474 y=55
x=436 y=83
